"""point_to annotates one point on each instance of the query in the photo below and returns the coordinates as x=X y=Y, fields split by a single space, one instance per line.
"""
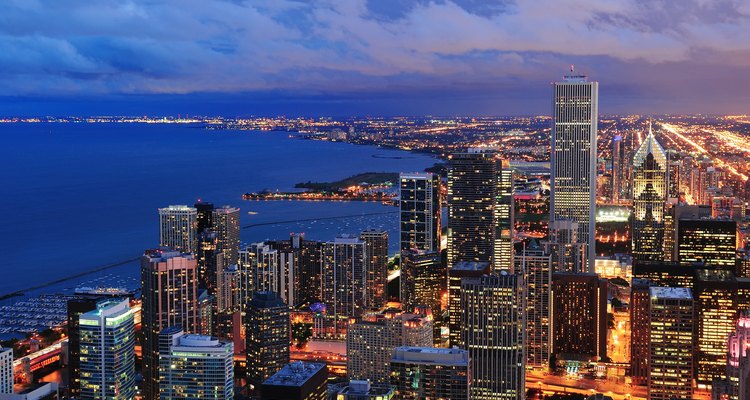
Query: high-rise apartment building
x=640 y=298
x=715 y=299
x=709 y=241
x=226 y=223
x=194 y=366
x=268 y=331
x=6 y=370
x=568 y=253
x=107 y=344
x=177 y=227
x=649 y=199
x=459 y=271
x=169 y=282
x=573 y=157
x=345 y=262
x=423 y=279
x=370 y=342
x=376 y=275
x=536 y=266
x=480 y=209
x=579 y=316
x=430 y=373
x=670 y=361
x=297 y=381
x=305 y=257
x=617 y=148
x=266 y=269
x=493 y=330
x=419 y=205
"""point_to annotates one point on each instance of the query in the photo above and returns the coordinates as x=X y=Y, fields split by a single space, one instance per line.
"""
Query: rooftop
x=295 y=374
x=677 y=293
x=431 y=355
x=470 y=266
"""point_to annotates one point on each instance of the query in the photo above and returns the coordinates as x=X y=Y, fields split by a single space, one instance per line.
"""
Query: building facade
x=579 y=316
x=268 y=336
x=649 y=199
x=376 y=274
x=177 y=227
x=459 y=271
x=430 y=373
x=419 y=206
x=573 y=157
x=536 y=266
x=423 y=279
x=344 y=291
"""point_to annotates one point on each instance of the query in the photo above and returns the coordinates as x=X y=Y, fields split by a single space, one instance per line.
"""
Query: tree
x=301 y=333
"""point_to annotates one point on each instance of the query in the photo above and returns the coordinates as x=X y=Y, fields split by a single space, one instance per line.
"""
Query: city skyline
x=299 y=58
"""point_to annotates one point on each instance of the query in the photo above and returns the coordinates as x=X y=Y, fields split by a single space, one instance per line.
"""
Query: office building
x=376 y=276
x=568 y=253
x=480 y=205
x=169 y=282
x=419 y=205
x=536 y=266
x=370 y=342
x=364 y=390
x=209 y=259
x=177 y=228
x=194 y=366
x=649 y=198
x=493 y=329
x=268 y=331
x=206 y=309
x=670 y=274
x=430 y=373
x=617 y=149
x=107 y=345
x=464 y=269
x=6 y=370
x=297 y=381
x=640 y=298
x=225 y=222
x=423 y=279
x=670 y=344
x=712 y=242
x=715 y=300
x=573 y=157
x=345 y=262
x=579 y=316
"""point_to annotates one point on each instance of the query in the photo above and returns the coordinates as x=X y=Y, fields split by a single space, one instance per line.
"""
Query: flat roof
x=677 y=293
x=470 y=266
x=294 y=374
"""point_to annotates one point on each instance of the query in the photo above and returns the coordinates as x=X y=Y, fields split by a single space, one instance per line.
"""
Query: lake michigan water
x=77 y=196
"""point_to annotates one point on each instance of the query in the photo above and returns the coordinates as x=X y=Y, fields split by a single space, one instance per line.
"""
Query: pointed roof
x=650 y=146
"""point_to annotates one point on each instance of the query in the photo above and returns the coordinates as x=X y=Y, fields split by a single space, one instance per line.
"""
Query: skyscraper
x=376 y=276
x=493 y=329
x=107 y=341
x=268 y=327
x=457 y=272
x=177 y=227
x=568 y=253
x=370 y=342
x=225 y=222
x=419 y=205
x=573 y=157
x=649 y=198
x=430 y=373
x=423 y=279
x=616 y=168
x=169 y=282
x=345 y=262
x=579 y=316
x=670 y=360
x=480 y=204
x=639 y=330
x=536 y=266
x=306 y=256
x=194 y=366
x=710 y=241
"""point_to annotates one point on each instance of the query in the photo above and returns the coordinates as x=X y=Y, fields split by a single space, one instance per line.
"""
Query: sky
x=369 y=57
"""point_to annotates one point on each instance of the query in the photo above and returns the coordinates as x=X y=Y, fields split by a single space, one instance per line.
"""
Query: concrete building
x=649 y=199
x=268 y=331
x=640 y=299
x=6 y=370
x=364 y=390
x=423 y=279
x=430 y=373
x=670 y=344
x=194 y=366
x=297 y=381
x=376 y=274
x=459 y=271
x=712 y=242
x=579 y=316
x=344 y=291
x=169 y=282
x=370 y=342
x=107 y=341
x=536 y=266
x=493 y=330
x=177 y=228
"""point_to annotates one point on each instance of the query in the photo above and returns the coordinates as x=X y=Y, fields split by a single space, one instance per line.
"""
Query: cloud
x=77 y=47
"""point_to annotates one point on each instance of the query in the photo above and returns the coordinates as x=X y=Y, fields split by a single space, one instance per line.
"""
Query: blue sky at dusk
x=369 y=57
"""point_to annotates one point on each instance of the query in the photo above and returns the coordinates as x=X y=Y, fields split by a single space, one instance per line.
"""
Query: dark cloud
x=454 y=55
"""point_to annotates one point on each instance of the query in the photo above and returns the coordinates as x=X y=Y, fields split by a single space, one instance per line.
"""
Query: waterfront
x=81 y=196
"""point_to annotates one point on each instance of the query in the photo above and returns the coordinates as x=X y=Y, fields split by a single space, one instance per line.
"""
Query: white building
x=6 y=370
x=177 y=227
x=573 y=157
